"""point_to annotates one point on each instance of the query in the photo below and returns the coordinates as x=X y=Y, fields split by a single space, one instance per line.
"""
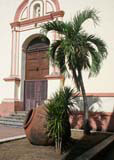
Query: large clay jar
x=35 y=126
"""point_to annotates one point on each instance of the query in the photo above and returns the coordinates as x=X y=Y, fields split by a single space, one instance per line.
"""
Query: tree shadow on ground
x=78 y=146
x=104 y=123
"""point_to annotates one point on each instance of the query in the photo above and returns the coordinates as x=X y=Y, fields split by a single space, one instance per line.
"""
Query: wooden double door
x=37 y=67
x=35 y=93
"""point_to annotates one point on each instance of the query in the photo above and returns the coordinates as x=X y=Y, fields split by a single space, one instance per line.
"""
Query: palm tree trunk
x=85 y=103
x=75 y=77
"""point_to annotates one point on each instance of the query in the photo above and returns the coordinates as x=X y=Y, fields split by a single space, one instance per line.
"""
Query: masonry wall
x=101 y=113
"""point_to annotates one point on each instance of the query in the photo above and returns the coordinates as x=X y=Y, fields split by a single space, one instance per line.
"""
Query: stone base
x=8 y=107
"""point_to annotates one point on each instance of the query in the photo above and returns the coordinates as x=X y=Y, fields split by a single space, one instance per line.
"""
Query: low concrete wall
x=102 y=121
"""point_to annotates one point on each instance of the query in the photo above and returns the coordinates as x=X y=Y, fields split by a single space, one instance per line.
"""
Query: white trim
x=4 y=140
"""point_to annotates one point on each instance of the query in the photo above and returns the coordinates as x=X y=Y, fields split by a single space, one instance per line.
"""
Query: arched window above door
x=40 y=43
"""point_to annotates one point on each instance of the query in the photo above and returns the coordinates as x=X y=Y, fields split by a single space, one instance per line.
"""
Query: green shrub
x=58 y=108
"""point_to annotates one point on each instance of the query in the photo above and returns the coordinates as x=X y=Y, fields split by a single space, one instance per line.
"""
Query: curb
x=4 y=140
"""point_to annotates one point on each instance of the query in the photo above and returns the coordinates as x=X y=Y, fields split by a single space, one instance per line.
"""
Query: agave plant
x=58 y=109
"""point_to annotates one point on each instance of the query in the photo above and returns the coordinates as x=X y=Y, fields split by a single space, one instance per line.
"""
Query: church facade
x=27 y=77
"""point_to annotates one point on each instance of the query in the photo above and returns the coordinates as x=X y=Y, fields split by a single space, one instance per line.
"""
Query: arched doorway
x=36 y=68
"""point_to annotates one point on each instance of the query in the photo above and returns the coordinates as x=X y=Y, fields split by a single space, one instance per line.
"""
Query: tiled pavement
x=7 y=131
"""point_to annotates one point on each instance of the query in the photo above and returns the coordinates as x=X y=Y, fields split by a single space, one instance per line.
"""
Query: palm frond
x=60 y=61
x=81 y=17
x=96 y=60
x=92 y=52
x=99 y=44
x=53 y=48
x=58 y=26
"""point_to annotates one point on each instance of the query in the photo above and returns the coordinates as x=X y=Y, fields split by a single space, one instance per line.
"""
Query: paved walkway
x=22 y=149
x=7 y=131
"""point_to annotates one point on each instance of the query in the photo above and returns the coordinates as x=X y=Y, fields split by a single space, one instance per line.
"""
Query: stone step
x=16 y=119
x=13 y=124
x=11 y=119
x=23 y=114
x=18 y=116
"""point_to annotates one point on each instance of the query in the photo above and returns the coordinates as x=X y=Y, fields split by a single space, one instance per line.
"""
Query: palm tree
x=77 y=50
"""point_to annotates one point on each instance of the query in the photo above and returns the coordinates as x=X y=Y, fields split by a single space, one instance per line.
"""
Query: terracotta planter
x=36 y=126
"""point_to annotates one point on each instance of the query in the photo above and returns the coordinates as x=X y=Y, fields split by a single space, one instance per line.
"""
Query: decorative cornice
x=15 y=24
x=98 y=94
x=17 y=79
x=91 y=113
x=38 y=20
x=10 y=100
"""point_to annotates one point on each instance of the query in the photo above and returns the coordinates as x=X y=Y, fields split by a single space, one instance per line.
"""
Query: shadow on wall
x=99 y=120
x=107 y=121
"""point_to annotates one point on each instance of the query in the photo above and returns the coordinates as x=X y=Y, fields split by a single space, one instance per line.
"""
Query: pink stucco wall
x=7 y=108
